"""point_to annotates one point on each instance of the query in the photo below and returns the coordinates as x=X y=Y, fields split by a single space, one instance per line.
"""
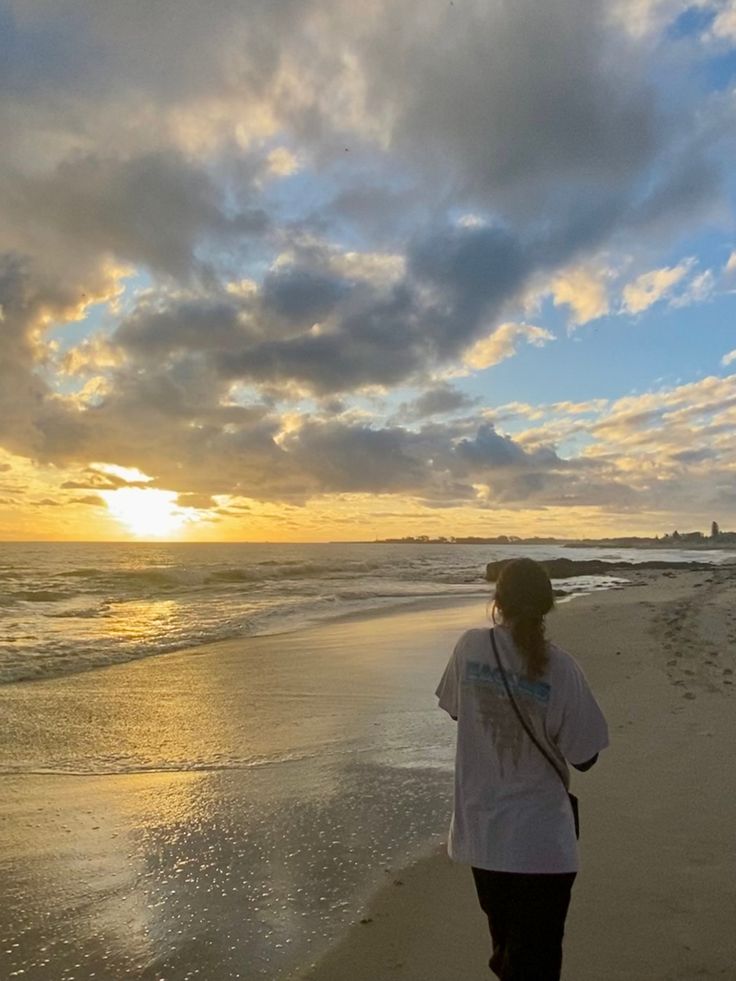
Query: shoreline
x=304 y=771
x=396 y=606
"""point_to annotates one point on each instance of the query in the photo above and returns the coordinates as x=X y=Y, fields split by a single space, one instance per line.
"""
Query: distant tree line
x=675 y=538
x=694 y=537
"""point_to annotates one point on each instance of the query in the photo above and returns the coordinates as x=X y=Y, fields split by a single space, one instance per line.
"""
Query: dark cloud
x=94 y=480
x=301 y=295
x=488 y=450
x=457 y=282
x=519 y=102
x=695 y=456
x=344 y=457
x=22 y=391
x=34 y=55
x=438 y=399
x=201 y=324
x=358 y=458
x=202 y=501
x=156 y=209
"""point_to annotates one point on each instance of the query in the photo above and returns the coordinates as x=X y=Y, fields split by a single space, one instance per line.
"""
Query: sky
x=313 y=270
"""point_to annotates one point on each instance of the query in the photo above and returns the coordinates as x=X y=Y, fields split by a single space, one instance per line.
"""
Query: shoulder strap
x=521 y=718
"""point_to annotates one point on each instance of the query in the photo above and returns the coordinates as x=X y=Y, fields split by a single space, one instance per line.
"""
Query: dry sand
x=656 y=897
x=151 y=875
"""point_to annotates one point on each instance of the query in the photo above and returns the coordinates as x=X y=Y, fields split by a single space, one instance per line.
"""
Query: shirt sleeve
x=583 y=731
x=447 y=690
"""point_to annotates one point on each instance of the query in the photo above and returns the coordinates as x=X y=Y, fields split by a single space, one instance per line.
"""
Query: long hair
x=524 y=596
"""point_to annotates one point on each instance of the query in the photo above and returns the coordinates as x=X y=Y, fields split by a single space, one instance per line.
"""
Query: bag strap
x=521 y=718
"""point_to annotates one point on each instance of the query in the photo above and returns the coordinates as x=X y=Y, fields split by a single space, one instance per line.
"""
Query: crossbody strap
x=521 y=718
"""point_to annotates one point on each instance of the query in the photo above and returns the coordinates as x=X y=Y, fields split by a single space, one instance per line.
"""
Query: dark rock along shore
x=565 y=568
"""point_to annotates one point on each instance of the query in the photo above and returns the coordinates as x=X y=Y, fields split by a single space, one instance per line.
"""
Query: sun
x=148 y=513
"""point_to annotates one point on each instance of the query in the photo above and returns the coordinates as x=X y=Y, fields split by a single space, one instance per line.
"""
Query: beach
x=276 y=806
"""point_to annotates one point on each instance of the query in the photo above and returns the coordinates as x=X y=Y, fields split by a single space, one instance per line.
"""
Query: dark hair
x=524 y=596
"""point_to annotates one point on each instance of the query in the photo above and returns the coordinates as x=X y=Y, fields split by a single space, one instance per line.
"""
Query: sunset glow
x=148 y=513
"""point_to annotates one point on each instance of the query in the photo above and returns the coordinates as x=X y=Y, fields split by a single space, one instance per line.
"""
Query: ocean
x=70 y=607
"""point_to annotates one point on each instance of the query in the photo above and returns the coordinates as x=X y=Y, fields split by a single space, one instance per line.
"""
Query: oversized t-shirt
x=511 y=810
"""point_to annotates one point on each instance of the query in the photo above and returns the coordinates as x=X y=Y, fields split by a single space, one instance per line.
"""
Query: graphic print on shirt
x=497 y=713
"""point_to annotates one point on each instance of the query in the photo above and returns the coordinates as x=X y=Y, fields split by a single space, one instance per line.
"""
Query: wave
x=81 y=573
x=29 y=665
x=273 y=570
x=43 y=665
x=78 y=609
x=159 y=577
x=87 y=614
x=39 y=595
x=102 y=767
x=184 y=578
x=235 y=575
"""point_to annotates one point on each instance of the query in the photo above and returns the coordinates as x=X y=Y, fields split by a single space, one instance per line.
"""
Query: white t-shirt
x=511 y=811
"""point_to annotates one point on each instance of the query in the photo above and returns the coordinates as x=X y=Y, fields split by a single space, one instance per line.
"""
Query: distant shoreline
x=705 y=544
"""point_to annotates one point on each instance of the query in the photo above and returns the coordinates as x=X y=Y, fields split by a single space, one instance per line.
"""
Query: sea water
x=69 y=607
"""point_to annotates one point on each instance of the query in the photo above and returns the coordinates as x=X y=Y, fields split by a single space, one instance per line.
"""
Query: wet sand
x=221 y=812
x=229 y=812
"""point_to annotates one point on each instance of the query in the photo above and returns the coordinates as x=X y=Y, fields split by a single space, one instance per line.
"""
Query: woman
x=512 y=820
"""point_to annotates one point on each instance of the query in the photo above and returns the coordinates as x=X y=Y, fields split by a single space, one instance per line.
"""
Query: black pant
x=526 y=915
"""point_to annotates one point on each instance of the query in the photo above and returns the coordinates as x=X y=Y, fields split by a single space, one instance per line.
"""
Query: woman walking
x=524 y=711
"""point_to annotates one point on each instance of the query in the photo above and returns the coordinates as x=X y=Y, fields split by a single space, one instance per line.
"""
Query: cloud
x=584 y=290
x=439 y=399
x=282 y=162
x=342 y=458
x=647 y=17
x=155 y=209
x=723 y=27
x=187 y=324
x=502 y=343
x=729 y=358
x=729 y=270
x=91 y=500
x=457 y=279
x=302 y=295
x=490 y=449
x=573 y=119
x=653 y=286
x=199 y=501
x=256 y=230
x=93 y=355
x=699 y=289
